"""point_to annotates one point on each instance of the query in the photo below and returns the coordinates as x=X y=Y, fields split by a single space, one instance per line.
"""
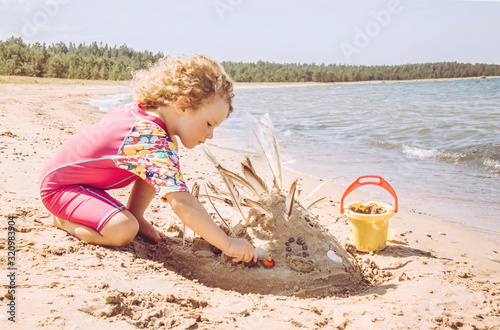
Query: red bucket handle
x=381 y=182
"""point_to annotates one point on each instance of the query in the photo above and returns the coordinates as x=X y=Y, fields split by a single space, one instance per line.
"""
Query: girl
x=186 y=97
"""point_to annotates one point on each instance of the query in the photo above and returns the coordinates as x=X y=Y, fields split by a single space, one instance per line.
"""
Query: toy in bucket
x=368 y=227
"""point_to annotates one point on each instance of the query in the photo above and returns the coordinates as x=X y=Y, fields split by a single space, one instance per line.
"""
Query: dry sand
x=431 y=276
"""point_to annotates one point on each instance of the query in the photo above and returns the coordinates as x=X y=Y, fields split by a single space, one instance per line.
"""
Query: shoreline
x=340 y=188
x=63 y=81
x=476 y=230
x=441 y=276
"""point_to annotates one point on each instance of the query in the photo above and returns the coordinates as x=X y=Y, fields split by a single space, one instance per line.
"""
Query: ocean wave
x=475 y=157
x=108 y=103
x=422 y=153
x=492 y=163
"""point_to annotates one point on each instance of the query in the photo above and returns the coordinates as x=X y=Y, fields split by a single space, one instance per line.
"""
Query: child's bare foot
x=149 y=232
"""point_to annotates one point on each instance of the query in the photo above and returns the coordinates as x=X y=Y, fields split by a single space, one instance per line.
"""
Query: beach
x=435 y=275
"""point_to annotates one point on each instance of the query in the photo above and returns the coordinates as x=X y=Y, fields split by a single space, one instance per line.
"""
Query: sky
x=369 y=32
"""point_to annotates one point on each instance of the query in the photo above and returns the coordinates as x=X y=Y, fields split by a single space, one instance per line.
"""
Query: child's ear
x=182 y=104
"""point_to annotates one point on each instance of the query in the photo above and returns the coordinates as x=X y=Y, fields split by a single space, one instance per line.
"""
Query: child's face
x=196 y=126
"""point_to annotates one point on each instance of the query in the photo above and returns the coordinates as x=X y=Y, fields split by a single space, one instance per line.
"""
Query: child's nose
x=210 y=134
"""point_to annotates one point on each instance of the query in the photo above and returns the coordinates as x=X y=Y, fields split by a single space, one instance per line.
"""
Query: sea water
x=436 y=142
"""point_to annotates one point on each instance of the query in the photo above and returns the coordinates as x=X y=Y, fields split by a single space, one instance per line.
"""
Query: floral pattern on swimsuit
x=148 y=151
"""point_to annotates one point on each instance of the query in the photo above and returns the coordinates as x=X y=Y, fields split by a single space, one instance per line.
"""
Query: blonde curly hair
x=197 y=77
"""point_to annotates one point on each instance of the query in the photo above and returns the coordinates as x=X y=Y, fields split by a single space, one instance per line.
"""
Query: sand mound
x=299 y=248
x=212 y=270
x=308 y=260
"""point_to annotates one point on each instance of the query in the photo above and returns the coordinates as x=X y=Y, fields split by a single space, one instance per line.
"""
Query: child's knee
x=122 y=239
x=121 y=229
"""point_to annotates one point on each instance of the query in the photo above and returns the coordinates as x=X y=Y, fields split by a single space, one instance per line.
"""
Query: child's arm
x=189 y=209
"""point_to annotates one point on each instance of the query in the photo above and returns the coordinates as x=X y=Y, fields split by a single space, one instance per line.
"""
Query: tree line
x=94 y=61
x=274 y=72
x=102 y=62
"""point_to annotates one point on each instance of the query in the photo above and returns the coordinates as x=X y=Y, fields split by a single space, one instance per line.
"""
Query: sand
x=432 y=275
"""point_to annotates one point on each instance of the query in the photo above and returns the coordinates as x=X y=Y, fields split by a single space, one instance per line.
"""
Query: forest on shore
x=102 y=62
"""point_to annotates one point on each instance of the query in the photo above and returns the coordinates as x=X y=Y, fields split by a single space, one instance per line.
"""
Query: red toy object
x=268 y=261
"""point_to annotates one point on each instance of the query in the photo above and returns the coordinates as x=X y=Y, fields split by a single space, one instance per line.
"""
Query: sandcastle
x=308 y=260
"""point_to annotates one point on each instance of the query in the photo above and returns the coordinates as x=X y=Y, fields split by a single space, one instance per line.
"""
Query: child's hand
x=241 y=250
x=189 y=209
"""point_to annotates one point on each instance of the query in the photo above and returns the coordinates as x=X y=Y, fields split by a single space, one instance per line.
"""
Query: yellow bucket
x=369 y=232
